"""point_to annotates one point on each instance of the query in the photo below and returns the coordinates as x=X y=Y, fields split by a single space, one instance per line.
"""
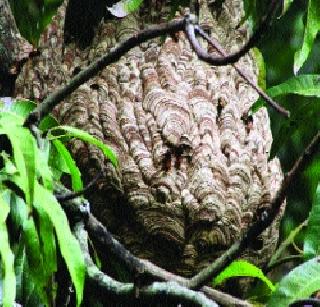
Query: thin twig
x=264 y=220
x=261 y=93
x=72 y=195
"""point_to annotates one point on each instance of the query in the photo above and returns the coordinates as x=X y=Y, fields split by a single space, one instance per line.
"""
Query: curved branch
x=108 y=285
x=185 y=24
x=96 y=230
x=230 y=59
x=114 y=55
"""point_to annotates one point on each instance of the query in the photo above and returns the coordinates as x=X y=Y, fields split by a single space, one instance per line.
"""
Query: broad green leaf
x=7 y=257
x=24 y=107
x=242 y=268
x=73 y=169
x=57 y=164
x=311 y=245
x=43 y=168
x=23 y=145
x=69 y=246
x=300 y=283
x=124 y=7
x=47 y=123
x=19 y=263
x=24 y=152
x=311 y=30
x=31 y=292
x=305 y=85
x=48 y=243
x=261 y=68
x=34 y=259
x=84 y=136
x=10 y=117
x=33 y=16
x=250 y=7
x=21 y=107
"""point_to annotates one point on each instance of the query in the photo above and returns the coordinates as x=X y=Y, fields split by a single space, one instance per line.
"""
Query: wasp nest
x=193 y=168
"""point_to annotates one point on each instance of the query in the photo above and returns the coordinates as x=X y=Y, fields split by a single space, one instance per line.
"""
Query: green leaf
x=34 y=257
x=300 y=283
x=33 y=16
x=124 y=7
x=19 y=263
x=57 y=163
x=311 y=245
x=261 y=68
x=47 y=123
x=7 y=257
x=311 y=30
x=43 y=168
x=24 y=152
x=305 y=85
x=242 y=268
x=250 y=7
x=24 y=107
x=48 y=243
x=20 y=107
x=55 y=133
x=69 y=246
x=73 y=169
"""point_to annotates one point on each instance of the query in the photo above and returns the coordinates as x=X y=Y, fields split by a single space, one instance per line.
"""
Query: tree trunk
x=192 y=172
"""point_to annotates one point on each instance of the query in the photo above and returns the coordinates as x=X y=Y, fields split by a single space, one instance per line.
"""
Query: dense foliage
x=34 y=227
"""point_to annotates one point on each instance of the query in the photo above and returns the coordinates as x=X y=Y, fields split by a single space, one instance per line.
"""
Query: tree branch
x=72 y=195
x=107 y=285
x=261 y=93
x=264 y=220
x=186 y=24
x=114 y=55
x=230 y=59
x=77 y=210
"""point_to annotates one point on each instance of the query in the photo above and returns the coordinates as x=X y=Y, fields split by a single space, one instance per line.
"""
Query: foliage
x=242 y=268
x=33 y=16
x=301 y=282
x=311 y=246
x=300 y=95
x=124 y=7
x=31 y=230
x=37 y=223
x=311 y=30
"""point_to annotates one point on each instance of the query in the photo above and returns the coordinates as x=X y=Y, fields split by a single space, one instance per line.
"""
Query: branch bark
x=126 y=291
